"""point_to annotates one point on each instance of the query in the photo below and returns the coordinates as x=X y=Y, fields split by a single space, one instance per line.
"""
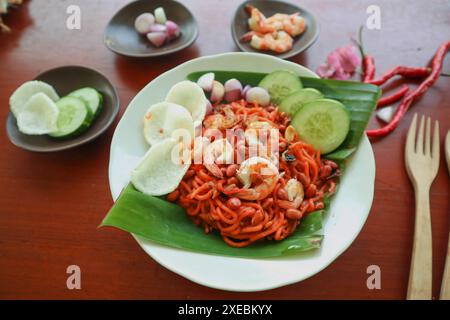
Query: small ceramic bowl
x=239 y=26
x=65 y=80
x=122 y=38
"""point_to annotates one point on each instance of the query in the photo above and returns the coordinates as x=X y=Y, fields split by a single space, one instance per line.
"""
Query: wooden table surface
x=51 y=204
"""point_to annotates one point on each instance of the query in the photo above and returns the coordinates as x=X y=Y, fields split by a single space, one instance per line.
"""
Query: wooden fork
x=445 y=286
x=422 y=163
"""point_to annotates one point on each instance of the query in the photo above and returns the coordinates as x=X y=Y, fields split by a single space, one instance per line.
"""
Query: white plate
x=347 y=215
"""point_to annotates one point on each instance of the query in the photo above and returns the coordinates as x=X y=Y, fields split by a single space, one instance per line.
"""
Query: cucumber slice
x=91 y=97
x=74 y=117
x=280 y=84
x=324 y=123
x=292 y=103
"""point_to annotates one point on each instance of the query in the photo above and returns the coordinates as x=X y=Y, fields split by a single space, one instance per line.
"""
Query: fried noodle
x=211 y=202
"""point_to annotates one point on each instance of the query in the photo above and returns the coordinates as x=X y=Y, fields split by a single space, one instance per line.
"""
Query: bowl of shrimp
x=131 y=160
x=274 y=27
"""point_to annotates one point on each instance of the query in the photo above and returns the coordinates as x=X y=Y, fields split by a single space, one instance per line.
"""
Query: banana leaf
x=167 y=224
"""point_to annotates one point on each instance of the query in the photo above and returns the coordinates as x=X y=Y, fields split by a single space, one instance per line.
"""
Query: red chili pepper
x=368 y=62
x=396 y=96
x=406 y=72
x=368 y=68
x=436 y=67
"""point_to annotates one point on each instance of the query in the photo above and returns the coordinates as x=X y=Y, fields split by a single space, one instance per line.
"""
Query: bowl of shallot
x=151 y=28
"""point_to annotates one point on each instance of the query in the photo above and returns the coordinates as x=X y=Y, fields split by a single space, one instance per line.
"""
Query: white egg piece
x=162 y=168
x=39 y=115
x=163 y=119
x=191 y=96
x=26 y=91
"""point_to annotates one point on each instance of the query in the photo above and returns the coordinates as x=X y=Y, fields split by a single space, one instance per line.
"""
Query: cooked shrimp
x=259 y=177
x=281 y=42
x=220 y=121
x=277 y=19
x=218 y=152
x=294 y=24
x=257 y=21
x=295 y=194
x=278 y=41
x=274 y=33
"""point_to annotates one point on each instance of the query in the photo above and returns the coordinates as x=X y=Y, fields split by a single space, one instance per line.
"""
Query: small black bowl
x=121 y=37
x=65 y=80
x=239 y=26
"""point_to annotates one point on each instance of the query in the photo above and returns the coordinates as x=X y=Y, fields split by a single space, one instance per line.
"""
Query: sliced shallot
x=158 y=28
x=144 y=22
x=157 y=38
x=233 y=90
x=218 y=92
x=172 y=29
x=258 y=95
x=206 y=81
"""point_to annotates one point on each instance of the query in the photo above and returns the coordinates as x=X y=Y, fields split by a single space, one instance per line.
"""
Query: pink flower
x=325 y=71
x=341 y=63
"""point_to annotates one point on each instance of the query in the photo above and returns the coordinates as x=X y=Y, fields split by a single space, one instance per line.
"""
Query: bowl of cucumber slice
x=60 y=109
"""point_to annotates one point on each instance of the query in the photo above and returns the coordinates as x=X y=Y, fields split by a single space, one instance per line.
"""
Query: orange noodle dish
x=255 y=168
x=246 y=203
